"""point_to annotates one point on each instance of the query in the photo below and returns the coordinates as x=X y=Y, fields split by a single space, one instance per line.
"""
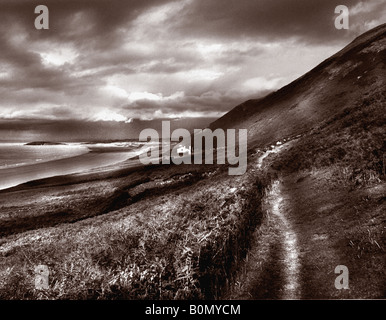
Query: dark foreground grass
x=182 y=244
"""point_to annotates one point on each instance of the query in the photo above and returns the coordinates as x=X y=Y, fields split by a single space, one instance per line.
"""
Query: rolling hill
x=325 y=204
x=357 y=71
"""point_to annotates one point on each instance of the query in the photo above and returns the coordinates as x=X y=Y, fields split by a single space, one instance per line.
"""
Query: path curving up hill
x=305 y=235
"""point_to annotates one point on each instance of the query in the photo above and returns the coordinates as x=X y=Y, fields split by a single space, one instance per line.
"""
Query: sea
x=19 y=154
x=20 y=163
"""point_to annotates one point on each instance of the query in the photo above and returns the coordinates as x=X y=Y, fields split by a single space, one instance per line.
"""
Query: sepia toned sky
x=120 y=60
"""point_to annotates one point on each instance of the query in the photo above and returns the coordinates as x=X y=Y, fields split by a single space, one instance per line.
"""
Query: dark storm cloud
x=105 y=17
x=310 y=21
x=98 y=30
x=205 y=103
x=119 y=59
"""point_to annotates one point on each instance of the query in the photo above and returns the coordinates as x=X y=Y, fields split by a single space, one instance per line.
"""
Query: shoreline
x=94 y=163
x=37 y=154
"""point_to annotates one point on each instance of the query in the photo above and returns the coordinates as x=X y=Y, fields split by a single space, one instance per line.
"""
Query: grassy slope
x=353 y=141
x=333 y=226
x=336 y=188
x=333 y=180
x=322 y=93
x=182 y=242
x=334 y=194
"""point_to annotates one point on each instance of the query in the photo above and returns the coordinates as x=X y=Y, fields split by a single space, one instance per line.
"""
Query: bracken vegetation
x=185 y=244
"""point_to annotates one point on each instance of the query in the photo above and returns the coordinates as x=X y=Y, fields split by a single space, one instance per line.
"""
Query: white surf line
x=291 y=288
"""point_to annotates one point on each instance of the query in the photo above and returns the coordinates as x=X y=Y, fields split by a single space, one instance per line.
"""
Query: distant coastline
x=90 y=159
x=43 y=143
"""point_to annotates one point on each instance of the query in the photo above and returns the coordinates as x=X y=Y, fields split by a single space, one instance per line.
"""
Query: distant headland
x=43 y=143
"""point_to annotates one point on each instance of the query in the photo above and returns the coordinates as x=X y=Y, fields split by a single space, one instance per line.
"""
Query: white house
x=184 y=150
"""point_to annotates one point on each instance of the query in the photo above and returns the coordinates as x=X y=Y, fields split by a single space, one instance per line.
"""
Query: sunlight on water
x=20 y=163
x=18 y=154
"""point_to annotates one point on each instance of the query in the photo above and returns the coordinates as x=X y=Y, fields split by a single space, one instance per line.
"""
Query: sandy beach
x=87 y=163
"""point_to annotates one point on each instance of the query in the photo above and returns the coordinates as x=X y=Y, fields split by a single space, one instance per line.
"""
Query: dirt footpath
x=310 y=227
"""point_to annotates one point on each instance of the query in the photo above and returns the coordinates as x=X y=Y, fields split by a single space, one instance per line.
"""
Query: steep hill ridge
x=322 y=93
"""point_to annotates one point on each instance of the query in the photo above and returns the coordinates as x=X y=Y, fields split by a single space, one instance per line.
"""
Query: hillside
x=325 y=203
x=325 y=91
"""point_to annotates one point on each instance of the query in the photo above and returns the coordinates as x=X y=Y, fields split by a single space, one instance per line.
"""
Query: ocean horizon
x=21 y=163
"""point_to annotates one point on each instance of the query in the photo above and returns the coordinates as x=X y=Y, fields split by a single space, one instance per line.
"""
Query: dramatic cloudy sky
x=120 y=60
